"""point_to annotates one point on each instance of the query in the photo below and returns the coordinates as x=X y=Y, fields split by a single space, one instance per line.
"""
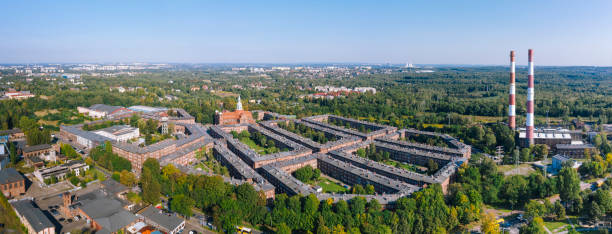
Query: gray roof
x=104 y=108
x=575 y=146
x=10 y=175
x=561 y=158
x=113 y=186
x=35 y=216
x=108 y=213
x=10 y=131
x=36 y=148
x=168 y=222
x=118 y=129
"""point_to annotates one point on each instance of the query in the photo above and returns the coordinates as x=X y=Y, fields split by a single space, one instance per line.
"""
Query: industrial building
x=32 y=217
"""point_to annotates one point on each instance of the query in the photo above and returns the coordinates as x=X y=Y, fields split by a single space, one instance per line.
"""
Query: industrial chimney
x=511 y=101
x=530 y=98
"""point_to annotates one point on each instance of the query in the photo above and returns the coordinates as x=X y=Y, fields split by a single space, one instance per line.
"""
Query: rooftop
x=118 y=130
x=10 y=175
x=104 y=108
x=168 y=222
x=34 y=215
x=36 y=148
x=108 y=213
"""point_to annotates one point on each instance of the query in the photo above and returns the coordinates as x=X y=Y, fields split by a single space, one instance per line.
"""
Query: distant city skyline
x=562 y=33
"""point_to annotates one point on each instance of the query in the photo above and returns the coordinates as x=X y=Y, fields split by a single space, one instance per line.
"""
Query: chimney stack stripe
x=511 y=111
x=530 y=99
x=511 y=96
x=529 y=119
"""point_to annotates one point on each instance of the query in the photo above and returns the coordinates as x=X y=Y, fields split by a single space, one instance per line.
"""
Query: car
x=54 y=212
x=61 y=219
x=69 y=220
x=76 y=218
x=193 y=232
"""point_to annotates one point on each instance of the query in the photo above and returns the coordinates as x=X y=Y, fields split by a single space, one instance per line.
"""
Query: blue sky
x=422 y=32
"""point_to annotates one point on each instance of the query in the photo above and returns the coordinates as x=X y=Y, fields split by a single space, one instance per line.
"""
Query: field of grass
x=405 y=166
x=202 y=166
x=225 y=94
x=433 y=125
x=523 y=169
x=93 y=174
x=554 y=225
x=330 y=186
x=41 y=113
x=253 y=145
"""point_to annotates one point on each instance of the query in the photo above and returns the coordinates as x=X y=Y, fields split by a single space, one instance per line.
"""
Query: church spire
x=239 y=104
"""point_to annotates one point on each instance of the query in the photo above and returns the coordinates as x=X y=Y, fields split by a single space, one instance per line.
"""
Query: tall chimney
x=530 y=98
x=511 y=101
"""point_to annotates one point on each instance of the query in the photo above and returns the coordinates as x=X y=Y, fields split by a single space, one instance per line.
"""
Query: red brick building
x=12 y=183
x=238 y=116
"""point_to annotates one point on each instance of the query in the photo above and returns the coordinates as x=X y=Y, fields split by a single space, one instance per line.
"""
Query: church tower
x=239 y=104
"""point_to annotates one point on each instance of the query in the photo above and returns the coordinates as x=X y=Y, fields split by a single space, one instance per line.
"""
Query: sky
x=467 y=32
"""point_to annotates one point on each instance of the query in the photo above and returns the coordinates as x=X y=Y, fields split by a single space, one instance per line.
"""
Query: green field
x=331 y=187
x=253 y=145
x=554 y=225
x=405 y=166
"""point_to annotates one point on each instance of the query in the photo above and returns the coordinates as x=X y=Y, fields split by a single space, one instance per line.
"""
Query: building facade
x=12 y=183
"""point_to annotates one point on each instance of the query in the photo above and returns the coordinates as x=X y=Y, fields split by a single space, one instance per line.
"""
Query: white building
x=120 y=133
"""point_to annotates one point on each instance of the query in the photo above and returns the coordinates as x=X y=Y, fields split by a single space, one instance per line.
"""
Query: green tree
x=127 y=178
x=182 y=205
x=515 y=190
x=432 y=167
x=536 y=226
x=283 y=229
x=151 y=188
x=569 y=188
x=13 y=153
x=525 y=155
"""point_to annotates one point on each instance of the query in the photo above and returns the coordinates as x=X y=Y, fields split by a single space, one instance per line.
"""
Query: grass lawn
x=93 y=174
x=522 y=169
x=202 y=166
x=553 y=225
x=433 y=125
x=405 y=166
x=498 y=210
x=253 y=145
x=44 y=112
x=331 y=187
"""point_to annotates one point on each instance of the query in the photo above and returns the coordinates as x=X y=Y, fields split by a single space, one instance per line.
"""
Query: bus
x=243 y=230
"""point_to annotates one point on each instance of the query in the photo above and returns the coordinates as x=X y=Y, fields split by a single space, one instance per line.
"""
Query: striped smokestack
x=530 y=98
x=511 y=101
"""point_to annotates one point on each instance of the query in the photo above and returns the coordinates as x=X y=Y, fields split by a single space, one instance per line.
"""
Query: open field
x=523 y=169
x=225 y=94
x=253 y=145
x=46 y=112
x=405 y=166
x=330 y=186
